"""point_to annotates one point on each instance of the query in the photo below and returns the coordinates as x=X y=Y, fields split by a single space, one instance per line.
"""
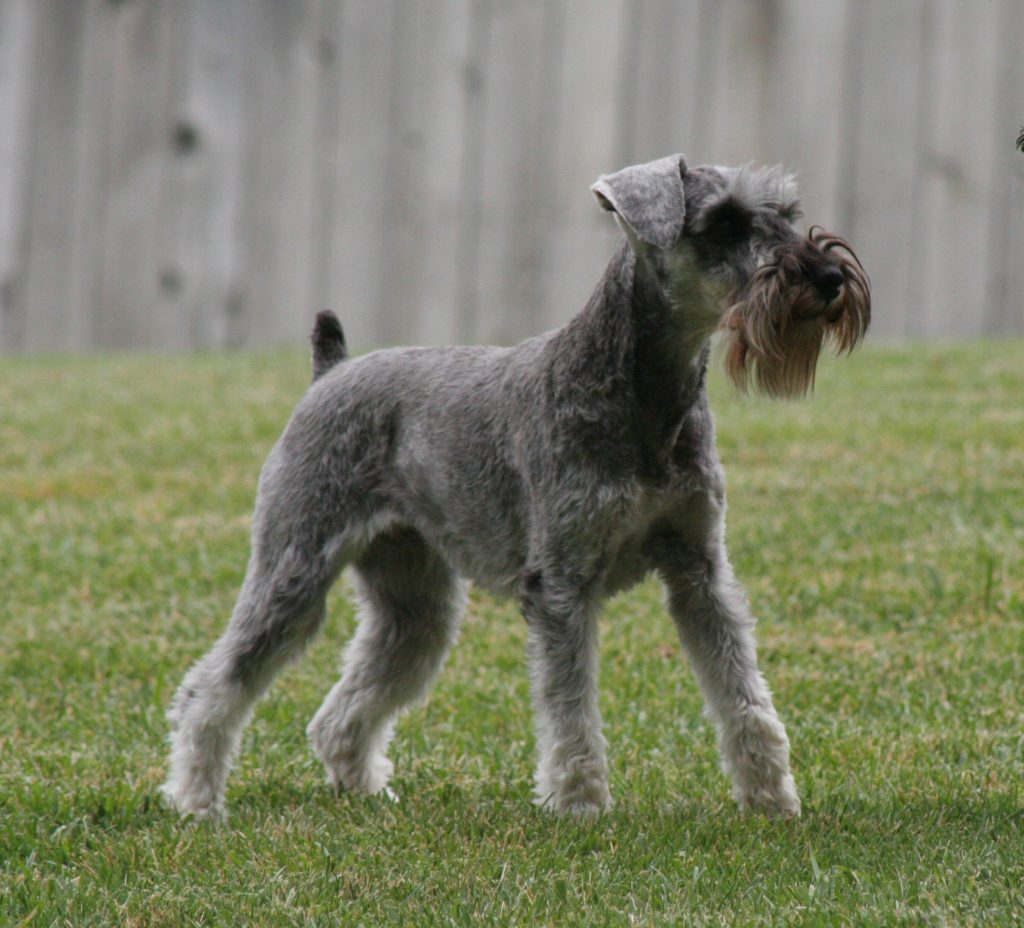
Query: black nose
x=828 y=280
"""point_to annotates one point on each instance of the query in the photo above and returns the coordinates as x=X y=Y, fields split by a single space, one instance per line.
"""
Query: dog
x=558 y=472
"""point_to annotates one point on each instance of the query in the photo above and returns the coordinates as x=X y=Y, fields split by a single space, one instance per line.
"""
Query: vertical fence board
x=705 y=117
x=957 y=169
x=88 y=203
x=139 y=141
x=809 y=128
x=364 y=43
x=17 y=21
x=518 y=111
x=880 y=193
x=281 y=124
x=471 y=174
x=423 y=199
x=1004 y=301
x=659 y=80
x=581 y=236
x=745 y=74
x=201 y=188
x=327 y=138
x=57 y=65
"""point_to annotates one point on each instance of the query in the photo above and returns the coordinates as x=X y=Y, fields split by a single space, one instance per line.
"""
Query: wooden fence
x=180 y=174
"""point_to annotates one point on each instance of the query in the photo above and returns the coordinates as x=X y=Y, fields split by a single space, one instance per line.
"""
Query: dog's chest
x=688 y=511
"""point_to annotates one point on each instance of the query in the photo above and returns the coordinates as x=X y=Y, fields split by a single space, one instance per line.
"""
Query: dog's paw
x=580 y=793
x=350 y=767
x=755 y=753
x=370 y=776
x=199 y=804
x=775 y=800
x=579 y=808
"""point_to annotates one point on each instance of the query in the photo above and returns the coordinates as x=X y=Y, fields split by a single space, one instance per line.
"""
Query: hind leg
x=411 y=603
x=280 y=607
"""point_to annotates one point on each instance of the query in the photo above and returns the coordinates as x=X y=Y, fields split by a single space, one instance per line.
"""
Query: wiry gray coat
x=558 y=471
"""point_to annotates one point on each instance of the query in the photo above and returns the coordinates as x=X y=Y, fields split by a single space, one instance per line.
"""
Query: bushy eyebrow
x=791 y=210
x=763 y=188
x=727 y=207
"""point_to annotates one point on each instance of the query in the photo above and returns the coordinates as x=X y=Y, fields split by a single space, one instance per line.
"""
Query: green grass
x=879 y=528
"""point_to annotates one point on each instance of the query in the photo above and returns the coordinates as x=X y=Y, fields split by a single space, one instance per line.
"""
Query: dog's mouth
x=813 y=293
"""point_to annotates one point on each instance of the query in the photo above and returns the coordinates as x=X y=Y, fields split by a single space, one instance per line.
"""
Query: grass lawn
x=879 y=528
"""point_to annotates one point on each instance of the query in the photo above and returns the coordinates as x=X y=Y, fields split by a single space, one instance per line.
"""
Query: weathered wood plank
x=325 y=156
x=423 y=199
x=356 y=163
x=658 y=80
x=880 y=172
x=581 y=237
x=57 y=55
x=809 y=119
x=203 y=290
x=282 y=85
x=17 y=24
x=520 y=112
x=145 y=40
x=742 y=86
x=471 y=175
x=1004 y=300
x=955 y=174
x=88 y=203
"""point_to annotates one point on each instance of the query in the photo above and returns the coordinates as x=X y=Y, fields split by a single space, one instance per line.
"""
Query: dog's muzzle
x=814 y=291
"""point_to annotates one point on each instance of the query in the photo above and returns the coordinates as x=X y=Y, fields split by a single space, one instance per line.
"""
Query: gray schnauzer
x=559 y=471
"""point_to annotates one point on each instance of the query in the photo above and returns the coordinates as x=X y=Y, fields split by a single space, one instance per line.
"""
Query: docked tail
x=328 y=343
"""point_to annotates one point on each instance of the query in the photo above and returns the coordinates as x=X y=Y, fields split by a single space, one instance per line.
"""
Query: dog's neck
x=633 y=352
x=672 y=319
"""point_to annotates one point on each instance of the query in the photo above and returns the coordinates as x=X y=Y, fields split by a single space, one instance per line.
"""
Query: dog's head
x=724 y=245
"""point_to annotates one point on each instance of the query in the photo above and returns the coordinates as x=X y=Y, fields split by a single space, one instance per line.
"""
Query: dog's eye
x=791 y=212
x=727 y=225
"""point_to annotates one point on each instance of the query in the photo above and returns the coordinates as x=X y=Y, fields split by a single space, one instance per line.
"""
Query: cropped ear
x=648 y=198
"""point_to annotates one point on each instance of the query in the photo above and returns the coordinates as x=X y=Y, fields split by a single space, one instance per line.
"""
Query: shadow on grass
x=487 y=810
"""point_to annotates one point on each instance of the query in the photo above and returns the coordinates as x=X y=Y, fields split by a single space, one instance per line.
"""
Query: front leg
x=715 y=626
x=572 y=773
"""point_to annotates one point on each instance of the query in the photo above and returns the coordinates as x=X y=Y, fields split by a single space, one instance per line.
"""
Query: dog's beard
x=776 y=325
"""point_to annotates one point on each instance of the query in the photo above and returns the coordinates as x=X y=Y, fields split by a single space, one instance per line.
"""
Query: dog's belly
x=627 y=567
x=484 y=539
x=493 y=563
